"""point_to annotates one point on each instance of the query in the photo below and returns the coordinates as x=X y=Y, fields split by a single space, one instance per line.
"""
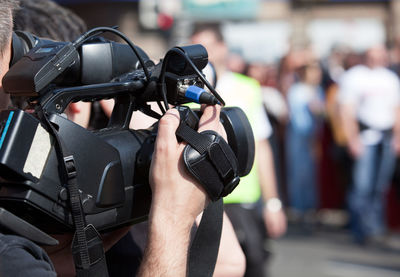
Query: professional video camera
x=40 y=150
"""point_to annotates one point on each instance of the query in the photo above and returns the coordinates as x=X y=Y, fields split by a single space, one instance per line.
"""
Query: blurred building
x=266 y=29
x=262 y=30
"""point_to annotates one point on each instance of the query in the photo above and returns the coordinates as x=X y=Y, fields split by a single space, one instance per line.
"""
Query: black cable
x=97 y=31
x=162 y=80
x=164 y=95
x=162 y=109
x=193 y=66
x=197 y=71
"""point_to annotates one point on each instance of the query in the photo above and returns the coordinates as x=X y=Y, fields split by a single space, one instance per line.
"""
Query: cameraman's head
x=7 y=8
x=47 y=19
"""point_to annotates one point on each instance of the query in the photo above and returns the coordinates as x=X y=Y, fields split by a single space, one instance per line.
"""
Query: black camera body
x=112 y=164
x=105 y=162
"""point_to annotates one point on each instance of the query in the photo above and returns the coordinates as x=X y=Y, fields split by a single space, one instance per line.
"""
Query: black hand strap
x=209 y=159
x=205 y=245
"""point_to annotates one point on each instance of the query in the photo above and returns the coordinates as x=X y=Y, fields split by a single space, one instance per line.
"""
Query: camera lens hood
x=240 y=137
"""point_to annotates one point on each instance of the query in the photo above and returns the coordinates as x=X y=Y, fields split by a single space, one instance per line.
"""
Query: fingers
x=275 y=223
x=277 y=230
x=210 y=118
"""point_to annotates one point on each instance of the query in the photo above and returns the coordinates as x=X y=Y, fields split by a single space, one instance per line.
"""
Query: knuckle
x=171 y=118
x=162 y=147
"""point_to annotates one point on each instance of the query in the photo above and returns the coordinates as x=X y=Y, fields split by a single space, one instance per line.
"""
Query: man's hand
x=177 y=198
x=275 y=222
x=355 y=147
x=175 y=191
x=396 y=145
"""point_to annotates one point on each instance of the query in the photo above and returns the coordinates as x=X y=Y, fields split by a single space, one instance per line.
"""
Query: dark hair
x=47 y=19
x=213 y=27
x=7 y=7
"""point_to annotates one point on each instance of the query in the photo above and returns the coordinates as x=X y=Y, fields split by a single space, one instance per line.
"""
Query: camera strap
x=209 y=158
x=203 y=251
x=87 y=246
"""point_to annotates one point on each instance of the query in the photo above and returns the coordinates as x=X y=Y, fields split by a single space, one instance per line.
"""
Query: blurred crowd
x=335 y=138
x=334 y=141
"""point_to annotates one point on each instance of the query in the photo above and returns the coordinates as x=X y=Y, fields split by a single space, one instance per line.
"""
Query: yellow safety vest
x=244 y=92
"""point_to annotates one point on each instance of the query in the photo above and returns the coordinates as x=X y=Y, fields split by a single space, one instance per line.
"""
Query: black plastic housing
x=105 y=163
x=59 y=63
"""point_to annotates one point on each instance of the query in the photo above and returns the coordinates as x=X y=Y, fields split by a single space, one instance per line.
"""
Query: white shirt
x=374 y=93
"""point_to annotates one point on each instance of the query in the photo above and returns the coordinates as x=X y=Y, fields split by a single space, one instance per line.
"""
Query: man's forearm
x=396 y=126
x=348 y=119
x=396 y=132
x=177 y=199
x=167 y=248
x=266 y=170
x=351 y=130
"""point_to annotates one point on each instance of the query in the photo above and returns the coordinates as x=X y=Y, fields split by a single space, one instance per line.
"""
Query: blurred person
x=236 y=62
x=289 y=64
x=273 y=99
x=394 y=192
x=342 y=62
x=254 y=208
x=334 y=64
x=369 y=96
x=305 y=102
x=336 y=163
x=348 y=60
x=287 y=72
x=277 y=111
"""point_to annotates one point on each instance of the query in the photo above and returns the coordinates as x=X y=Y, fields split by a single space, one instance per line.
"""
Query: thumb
x=210 y=118
x=167 y=127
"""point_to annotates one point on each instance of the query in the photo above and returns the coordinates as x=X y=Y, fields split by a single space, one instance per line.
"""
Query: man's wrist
x=161 y=216
x=273 y=204
x=166 y=233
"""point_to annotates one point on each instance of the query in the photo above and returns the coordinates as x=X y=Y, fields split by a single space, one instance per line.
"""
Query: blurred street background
x=330 y=253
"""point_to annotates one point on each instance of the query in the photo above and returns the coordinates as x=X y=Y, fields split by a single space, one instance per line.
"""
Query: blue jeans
x=372 y=173
x=301 y=171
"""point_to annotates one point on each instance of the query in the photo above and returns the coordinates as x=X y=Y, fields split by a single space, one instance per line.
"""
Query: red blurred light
x=164 y=21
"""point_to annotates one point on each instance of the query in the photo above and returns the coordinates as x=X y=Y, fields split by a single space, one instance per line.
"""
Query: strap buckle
x=230 y=186
x=69 y=163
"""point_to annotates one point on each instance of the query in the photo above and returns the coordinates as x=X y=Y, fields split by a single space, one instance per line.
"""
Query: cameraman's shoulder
x=8 y=242
x=19 y=255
